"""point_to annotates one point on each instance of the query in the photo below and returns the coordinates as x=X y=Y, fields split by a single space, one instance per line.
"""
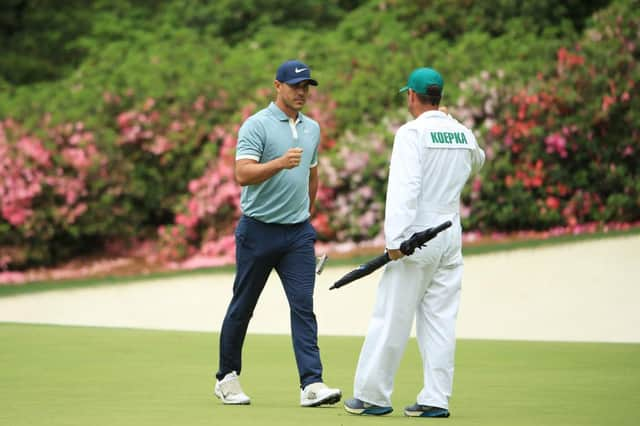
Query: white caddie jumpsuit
x=432 y=158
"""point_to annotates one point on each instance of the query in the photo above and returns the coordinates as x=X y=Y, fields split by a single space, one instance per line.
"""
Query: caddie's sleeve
x=477 y=156
x=403 y=188
x=251 y=137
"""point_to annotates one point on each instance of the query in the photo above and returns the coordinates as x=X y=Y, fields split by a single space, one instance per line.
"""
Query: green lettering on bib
x=460 y=138
x=449 y=138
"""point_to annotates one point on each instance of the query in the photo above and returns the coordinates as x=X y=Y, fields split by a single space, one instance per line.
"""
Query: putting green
x=69 y=376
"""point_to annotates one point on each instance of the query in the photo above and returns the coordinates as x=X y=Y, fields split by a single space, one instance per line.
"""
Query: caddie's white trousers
x=425 y=286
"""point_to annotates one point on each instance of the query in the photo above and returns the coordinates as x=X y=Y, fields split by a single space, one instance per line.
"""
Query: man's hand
x=291 y=158
x=395 y=254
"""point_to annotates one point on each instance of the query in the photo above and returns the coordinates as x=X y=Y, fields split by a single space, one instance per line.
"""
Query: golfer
x=277 y=167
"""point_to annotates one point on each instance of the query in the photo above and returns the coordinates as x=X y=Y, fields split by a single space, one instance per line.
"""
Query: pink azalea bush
x=203 y=225
x=45 y=187
x=350 y=200
x=152 y=177
x=560 y=149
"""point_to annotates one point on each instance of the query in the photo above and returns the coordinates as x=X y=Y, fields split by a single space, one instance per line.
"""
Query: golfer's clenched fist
x=291 y=158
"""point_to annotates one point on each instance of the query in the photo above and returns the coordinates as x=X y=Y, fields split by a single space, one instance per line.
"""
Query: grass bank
x=98 y=376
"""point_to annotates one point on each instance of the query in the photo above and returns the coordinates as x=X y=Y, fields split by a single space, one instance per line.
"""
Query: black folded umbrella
x=417 y=240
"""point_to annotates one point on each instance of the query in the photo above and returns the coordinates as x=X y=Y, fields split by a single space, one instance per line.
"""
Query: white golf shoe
x=317 y=394
x=229 y=391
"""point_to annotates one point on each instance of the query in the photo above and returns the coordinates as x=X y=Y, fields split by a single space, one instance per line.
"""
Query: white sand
x=586 y=291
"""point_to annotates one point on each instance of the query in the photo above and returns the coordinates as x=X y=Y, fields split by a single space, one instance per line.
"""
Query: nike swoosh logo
x=300 y=70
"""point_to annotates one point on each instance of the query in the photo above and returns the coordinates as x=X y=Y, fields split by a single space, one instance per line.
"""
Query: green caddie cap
x=421 y=78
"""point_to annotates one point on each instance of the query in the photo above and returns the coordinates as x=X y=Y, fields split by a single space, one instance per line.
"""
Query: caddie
x=433 y=156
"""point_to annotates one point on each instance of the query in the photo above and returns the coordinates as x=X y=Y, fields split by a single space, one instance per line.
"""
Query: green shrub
x=133 y=137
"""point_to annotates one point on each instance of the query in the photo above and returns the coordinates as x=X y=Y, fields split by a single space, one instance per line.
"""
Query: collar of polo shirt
x=284 y=117
x=280 y=114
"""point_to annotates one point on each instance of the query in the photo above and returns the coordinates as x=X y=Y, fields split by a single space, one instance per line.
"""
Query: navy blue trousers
x=289 y=249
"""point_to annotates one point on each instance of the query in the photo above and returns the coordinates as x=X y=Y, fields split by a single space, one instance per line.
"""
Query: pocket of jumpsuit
x=453 y=253
x=430 y=253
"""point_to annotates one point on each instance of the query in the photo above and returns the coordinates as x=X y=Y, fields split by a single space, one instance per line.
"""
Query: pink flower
x=367 y=220
x=130 y=134
x=476 y=185
x=149 y=104
x=489 y=151
x=186 y=221
x=556 y=143
x=366 y=192
x=34 y=148
x=465 y=211
x=16 y=215
x=199 y=104
x=160 y=145
x=10 y=277
x=194 y=207
x=77 y=158
x=355 y=162
x=321 y=223
x=552 y=202
x=125 y=119
x=175 y=126
x=607 y=101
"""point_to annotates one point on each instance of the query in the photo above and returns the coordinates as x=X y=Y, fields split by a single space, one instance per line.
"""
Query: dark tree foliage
x=36 y=38
x=452 y=18
x=43 y=40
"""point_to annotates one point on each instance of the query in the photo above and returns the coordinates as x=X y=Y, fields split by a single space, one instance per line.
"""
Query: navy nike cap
x=293 y=72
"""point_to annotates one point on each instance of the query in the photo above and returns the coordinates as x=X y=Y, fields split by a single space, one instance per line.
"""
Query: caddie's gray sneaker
x=317 y=394
x=417 y=410
x=229 y=391
x=361 y=408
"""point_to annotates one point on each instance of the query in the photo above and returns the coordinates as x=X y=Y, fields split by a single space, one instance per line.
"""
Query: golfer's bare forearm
x=250 y=172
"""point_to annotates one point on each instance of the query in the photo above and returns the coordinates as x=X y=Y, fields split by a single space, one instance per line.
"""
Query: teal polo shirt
x=265 y=136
